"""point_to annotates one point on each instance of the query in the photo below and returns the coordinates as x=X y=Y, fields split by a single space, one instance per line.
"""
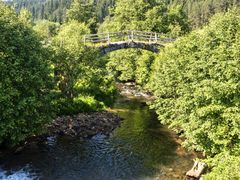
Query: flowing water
x=139 y=149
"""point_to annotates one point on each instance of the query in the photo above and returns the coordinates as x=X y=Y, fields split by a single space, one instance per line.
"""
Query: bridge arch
x=108 y=42
x=155 y=48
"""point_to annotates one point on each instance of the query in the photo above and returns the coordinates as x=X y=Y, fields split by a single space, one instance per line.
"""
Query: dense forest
x=55 y=10
x=198 y=12
x=47 y=71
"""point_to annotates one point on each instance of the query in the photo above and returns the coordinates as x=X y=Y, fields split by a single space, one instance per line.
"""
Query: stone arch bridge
x=111 y=41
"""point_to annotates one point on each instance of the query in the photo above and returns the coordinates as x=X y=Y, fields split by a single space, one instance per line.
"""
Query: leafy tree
x=224 y=166
x=195 y=82
x=122 y=64
x=200 y=11
x=102 y=9
x=25 y=16
x=25 y=85
x=52 y=10
x=143 y=68
x=131 y=65
x=79 y=72
x=69 y=55
x=167 y=19
x=46 y=29
x=146 y=16
x=83 y=11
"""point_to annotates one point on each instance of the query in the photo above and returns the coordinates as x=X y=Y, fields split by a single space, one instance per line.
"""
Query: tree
x=199 y=12
x=127 y=15
x=143 y=68
x=146 y=16
x=83 y=11
x=52 y=10
x=195 y=82
x=46 y=29
x=80 y=73
x=122 y=65
x=102 y=9
x=25 y=16
x=25 y=86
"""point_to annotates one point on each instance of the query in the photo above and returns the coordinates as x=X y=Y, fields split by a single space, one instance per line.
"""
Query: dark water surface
x=139 y=149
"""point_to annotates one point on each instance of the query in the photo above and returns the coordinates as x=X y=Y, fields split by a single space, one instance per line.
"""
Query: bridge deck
x=126 y=36
x=108 y=42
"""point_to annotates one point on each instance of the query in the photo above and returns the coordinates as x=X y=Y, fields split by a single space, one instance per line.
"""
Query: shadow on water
x=139 y=149
x=145 y=138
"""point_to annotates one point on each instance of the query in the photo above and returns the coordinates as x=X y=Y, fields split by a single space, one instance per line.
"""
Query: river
x=141 y=148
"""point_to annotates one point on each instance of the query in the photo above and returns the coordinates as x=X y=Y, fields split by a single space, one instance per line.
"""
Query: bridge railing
x=136 y=36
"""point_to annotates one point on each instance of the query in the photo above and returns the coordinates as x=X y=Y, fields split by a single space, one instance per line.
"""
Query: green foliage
x=131 y=65
x=167 y=19
x=148 y=16
x=76 y=105
x=79 y=71
x=195 y=82
x=56 y=10
x=122 y=64
x=143 y=68
x=102 y=9
x=81 y=10
x=225 y=166
x=90 y=12
x=25 y=86
x=128 y=14
x=52 y=10
x=134 y=65
x=199 y=12
x=46 y=29
x=25 y=16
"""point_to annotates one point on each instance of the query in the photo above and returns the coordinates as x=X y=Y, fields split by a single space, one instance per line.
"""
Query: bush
x=131 y=65
x=122 y=64
x=66 y=106
x=143 y=68
x=80 y=72
x=25 y=82
x=196 y=86
x=46 y=29
x=225 y=166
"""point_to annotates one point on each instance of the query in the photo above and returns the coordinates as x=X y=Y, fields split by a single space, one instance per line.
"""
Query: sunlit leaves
x=196 y=83
x=79 y=72
x=25 y=85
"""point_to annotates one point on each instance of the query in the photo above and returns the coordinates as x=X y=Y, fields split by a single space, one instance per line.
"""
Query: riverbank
x=81 y=126
x=139 y=148
x=132 y=91
x=84 y=125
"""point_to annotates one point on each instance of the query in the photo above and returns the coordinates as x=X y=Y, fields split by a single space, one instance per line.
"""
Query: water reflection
x=140 y=149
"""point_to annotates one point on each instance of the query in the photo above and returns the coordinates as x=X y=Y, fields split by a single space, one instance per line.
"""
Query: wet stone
x=84 y=124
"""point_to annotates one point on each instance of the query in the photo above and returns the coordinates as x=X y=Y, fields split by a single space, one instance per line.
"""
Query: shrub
x=196 y=86
x=80 y=72
x=25 y=81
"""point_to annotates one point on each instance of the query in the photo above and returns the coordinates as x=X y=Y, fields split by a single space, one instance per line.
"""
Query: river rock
x=197 y=170
x=84 y=124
